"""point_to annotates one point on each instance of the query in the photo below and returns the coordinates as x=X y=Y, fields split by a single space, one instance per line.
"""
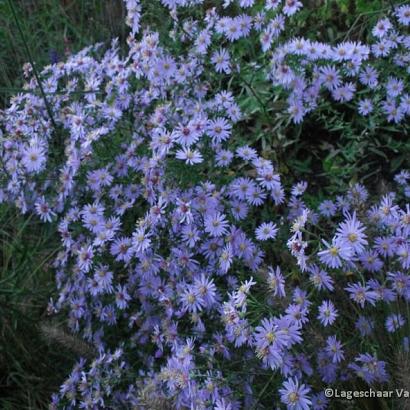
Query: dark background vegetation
x=330 y=149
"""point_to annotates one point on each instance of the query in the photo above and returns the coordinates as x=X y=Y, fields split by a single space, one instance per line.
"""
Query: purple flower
x=219 y=130
x=400 y=283
x=362 y=294
x=276 y=282
x=122 y=297
x=327 y=208
x=334 y=349
x=266 y=231
x=369 y=368
x=369 y=76
x=191 y=299
x=246 y=153
x=382 y=28
x=351 y=231
x=221 y=61
x=226 y=258
x=295 y=395
x=335 y=253
x=319 y=401
x=291 y=7
x=330 y=77
x=43 y=210
x=215 y=224
x=327 y=313
x=223 y=158
x=364 y=325
x=394 y=87
x=371 y=262
x=191 y=157
x=365 y=107
x=344 y=93
x=320 y=279
x=85 y=258
x=34 y=158
x=403 y=15
x=394 y=322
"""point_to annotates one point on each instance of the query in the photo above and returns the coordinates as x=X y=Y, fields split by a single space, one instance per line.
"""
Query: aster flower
x=246 y=153
x=103 y=276
x=242 y=188
x=43 y=210
x=403 y=253
x=382 y=27
x=327 y=208
x=122 y=297
x=351 y=231
x=403 y=14
x=291 y=7
x=405 y=103
x=85 y=258
x=276 y=282
x=272 y=4
x=215 y=224
x=334 y=349
x=240 y=296
x=266 y=231
x=383 y=292
x=222 y=404
x=382 y=48
x=140 y=240
x=296 y=111
x=369 y=368
x=336 y=253
x=295 y=395
x=344 y=92
x=394 y=322
x=370 y=261
x=33 y=158
x=299 y=188
x=186 y=135
x=394 y=87
x=191 y=299
x=121 y=248
x=226 y=257
x=369 y=76
x=191 y=157
x=223 y=158
x=327 y=313
x=320 y=278
x=362 y=294
x=330 y=77
x=365 y=107
x=400 y=283
x=206 y=288
x=269 y=335
x=320 y=401
x=219 y=129
x=221 y=61
x=364 y=325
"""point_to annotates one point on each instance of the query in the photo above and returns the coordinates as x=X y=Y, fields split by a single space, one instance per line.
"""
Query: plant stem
x=48 y=108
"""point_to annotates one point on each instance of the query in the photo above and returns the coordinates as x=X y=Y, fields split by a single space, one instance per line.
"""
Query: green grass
x=48 y=26
x=31 y=367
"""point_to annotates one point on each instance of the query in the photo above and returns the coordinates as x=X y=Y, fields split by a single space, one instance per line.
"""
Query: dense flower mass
x=185 y=258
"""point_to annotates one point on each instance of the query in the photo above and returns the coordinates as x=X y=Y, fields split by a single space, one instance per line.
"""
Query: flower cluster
x=182 y=249
x=349 y=71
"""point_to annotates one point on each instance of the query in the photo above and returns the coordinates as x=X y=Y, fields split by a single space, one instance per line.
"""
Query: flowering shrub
x=203 y=278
